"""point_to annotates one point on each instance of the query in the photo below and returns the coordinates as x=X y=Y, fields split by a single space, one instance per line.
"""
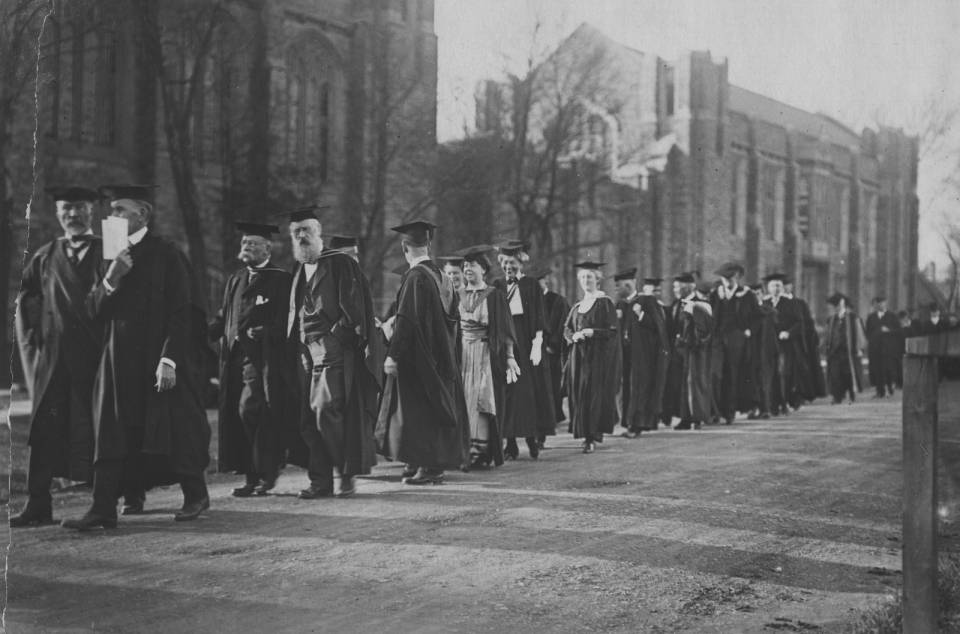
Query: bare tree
x=21 y=23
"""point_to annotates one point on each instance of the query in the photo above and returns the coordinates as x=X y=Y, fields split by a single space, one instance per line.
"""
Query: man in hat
x=61 y=345
x=250 y=326
x=882 y=330
x=647 y=353
x=762 y=354
x=556 y=308
x=734 y=310
x=423 y=419
x=330 y=322
x=530 y=408
x=791 y=363
x=812 y=384
x=150 y=424
x=694 y=328
x=844 y=340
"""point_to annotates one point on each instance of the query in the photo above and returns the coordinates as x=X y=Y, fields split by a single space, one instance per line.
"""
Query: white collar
x=422 y=258
x=137 y=236
x=632 y=296
x=69 y=238
x=262 y=265
x=479 y=287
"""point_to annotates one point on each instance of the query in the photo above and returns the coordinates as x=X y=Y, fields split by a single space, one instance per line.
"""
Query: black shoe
x=683 y=425
x=728 y=421
x=589 y=447
x=266 y=486
x=408 y=472
x=245 y=491
x=30 y=518
x=132 y=508
x=89 y=522
x=479 y=462
x=629 y=434
x=313 y=492
x=347 y=487
x=192 y=510
x=425 y=476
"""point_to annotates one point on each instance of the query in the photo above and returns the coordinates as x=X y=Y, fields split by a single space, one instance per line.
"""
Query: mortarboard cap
x=400 y=270
x=304 y=213
x=589 y=265
x=418 y=233
x=879 y=298
x=257 y=229
x=652 y=281
x=834 y=299
x=626 y=274
x=538 y=272
x=452 y=260
x=729 y=270
x=775 y=277
x=706 y=287
x=341 y=242
x=685 y=278
x=133 y=192
x=756 y=287
x=73 y=194
x=933 y=306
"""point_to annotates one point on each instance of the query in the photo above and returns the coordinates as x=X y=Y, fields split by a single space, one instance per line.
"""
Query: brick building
x=676 y=169
x=293 y=105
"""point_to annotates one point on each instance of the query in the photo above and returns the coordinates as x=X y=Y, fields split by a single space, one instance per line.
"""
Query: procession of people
x=468 y=360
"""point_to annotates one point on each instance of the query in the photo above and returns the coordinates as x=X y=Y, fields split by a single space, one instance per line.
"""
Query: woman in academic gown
x=487 y=357
x=844 y=341
x=594 y=365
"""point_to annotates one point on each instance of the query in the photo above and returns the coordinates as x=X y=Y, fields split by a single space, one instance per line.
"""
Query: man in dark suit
x=149 y=421
x=734 y=310
x=61 y=348
x=790 y=371
x=882 y=329
x=626 y=284
x=251 y=327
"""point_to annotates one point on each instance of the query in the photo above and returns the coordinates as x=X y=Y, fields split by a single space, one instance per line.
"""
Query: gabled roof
x=764 y=108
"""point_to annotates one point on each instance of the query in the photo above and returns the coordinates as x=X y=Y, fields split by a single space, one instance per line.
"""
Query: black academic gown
x=530 y=406
x=253 y=399
x=555 y=346
x=843 y=342
x=61 y=346
x=592 y=378
x=763 y=357
x=813 y=385
x=649 y=351
x=155 y=312
x=693 y=348
x=791 y=377
x=670 y=407
x=733 y=316
x=882 y=349
x=423 y=415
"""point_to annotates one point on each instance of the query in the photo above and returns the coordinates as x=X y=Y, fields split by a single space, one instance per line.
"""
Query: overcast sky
x=859 y=61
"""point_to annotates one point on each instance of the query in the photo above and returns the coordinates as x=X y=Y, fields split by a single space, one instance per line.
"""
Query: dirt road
x=784 y=525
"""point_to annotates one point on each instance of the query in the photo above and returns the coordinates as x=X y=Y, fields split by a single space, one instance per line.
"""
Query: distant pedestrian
x=882 y=330
x=792 y=364
x=843 y=343
x=694 y=332
x=734 y=309
x=593 y=369
x=61 y=345
x=644 y=319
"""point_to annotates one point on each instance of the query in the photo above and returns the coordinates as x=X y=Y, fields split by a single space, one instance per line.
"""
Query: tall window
x=738 y=197
x=843 y=192
x=869 y=223
x=773 y=189
x=105 y=89
x=669 y=88
x=312 y=80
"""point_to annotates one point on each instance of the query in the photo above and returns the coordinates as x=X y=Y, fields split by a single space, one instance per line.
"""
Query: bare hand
x=536 y=353
x=638 y=310
x=513 y=371
x=747 y=333
x=255 y=333
x=587 y=332
x=387 y=328
x=784 y=335
x=577 y=337
x=166 y=377
x=884 y=329
x=390 y=366
x=119 y=267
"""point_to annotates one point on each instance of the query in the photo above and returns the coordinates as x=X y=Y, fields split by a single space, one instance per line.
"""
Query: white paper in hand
x=115 y=238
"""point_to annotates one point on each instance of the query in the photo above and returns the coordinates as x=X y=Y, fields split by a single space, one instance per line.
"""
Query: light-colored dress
x=478 y=387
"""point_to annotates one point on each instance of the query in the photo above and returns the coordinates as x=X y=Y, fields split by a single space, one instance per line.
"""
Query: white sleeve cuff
x=108 y=286
x=168 y=362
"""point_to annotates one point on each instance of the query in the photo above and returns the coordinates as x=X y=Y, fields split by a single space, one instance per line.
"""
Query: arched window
x=313 y=83
x=105 y=89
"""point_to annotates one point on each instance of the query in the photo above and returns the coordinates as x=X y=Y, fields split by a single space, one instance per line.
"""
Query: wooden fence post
x=921 y=379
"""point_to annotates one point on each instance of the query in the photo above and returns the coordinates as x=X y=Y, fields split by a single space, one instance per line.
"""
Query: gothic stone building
x=299 y=101
x=680 y=170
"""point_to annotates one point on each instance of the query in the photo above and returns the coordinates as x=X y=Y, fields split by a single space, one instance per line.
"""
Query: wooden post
x=921 y=379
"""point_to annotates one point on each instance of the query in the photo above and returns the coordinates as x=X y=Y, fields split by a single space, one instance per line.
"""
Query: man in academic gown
x=882 y=330
x=695 y=330
x=843 y=343
x=682 y=285
x=734 y=310
x=762 y=355
x=530 y=406
x=556 y=308
x=625 y=282
x=61 y=347
x=645 y=330
x=423 y=419
x=330 y=322
x=149 y=422
x=791 y=363
x=251 y=329
x=812 y=384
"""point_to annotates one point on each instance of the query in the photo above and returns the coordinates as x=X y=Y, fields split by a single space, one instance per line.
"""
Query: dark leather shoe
x=408 y=472
x=192 y=510
x=589 y=447
x=132 y=508
x=31 y=518
x=426 y=477
x=245 y=491
x=312 y=493
x=266 y=486
x=347 y=487
x=89 y=522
